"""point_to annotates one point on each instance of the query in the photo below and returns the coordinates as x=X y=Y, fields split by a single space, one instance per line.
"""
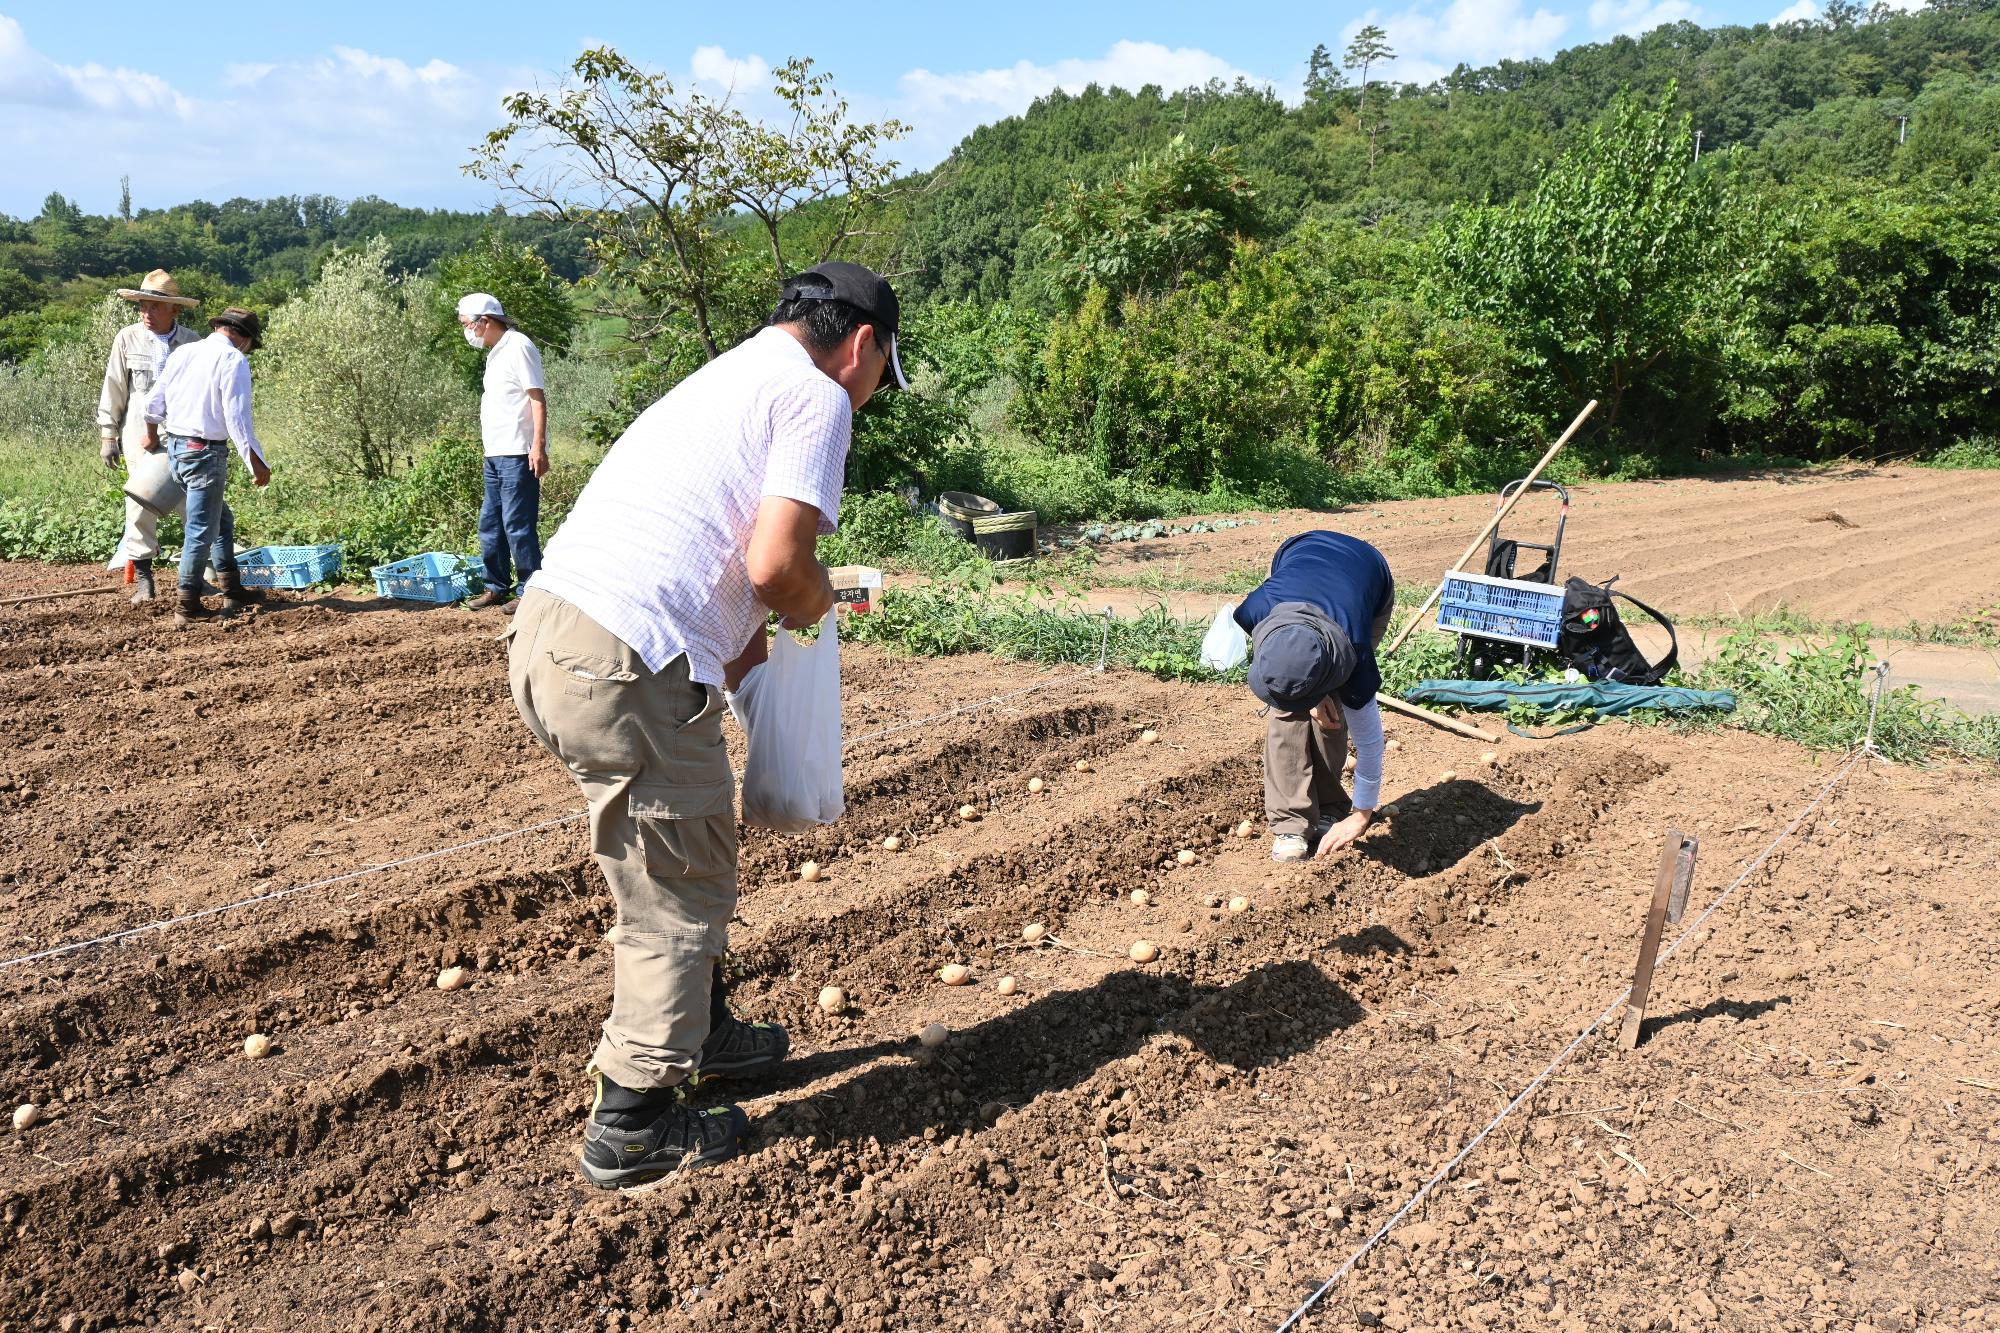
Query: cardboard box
x=854 y=587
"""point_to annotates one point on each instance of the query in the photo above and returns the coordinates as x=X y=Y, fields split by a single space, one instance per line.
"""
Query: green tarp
x=1606 y=698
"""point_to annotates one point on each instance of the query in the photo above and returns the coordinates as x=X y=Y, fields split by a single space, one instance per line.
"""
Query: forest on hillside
x=1749 y=243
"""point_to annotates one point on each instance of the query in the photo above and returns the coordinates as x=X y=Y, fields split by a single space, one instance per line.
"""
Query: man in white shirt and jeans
x=200 y=403
x=701 y=520
x=514 y=428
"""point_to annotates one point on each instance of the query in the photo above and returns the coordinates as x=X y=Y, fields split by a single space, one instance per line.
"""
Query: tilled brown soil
x=1809 y=1137
x=1887 y=545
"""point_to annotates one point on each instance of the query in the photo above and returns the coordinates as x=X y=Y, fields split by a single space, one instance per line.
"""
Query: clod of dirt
x=1392 y=744
x=1143 y=951
x=256 y=1046
x=1148 y=736
x=1184 y=857
x=1035 y=785
x=1083 y=766
x=1246 y=829
x=25 y=1116
x=954 y=974
x=1239 y=904
x=934 y=1034
x=809 y=872
x=1141 y=898
x=454 y=978
x=187 y=1280
x=832 y=999
x=968 y=813
x=892 y=843
x=1449 y=775
x=1033 y=932
x=1007 y=986
x=1388 y=809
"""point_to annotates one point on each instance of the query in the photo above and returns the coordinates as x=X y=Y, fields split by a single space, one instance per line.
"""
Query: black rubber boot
x=636 y=1135
x=142 y=582
x=734 y=1047
x=235 y=596
x=189 y=610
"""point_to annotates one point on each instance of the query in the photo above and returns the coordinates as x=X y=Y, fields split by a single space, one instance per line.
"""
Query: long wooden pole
x=1491 y=524
x=1436 y=719
x=52 y=596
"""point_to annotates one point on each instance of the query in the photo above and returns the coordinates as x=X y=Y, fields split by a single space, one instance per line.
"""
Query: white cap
x=479 y=303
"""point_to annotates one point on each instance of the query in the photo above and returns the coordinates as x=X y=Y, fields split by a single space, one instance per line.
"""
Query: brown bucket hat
x=244 y=322
x=159 y=285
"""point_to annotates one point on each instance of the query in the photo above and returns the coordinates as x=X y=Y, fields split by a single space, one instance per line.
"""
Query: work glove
x=108 y=450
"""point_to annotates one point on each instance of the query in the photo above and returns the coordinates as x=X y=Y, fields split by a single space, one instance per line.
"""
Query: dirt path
x=1809 y=1139
x=1889 y=546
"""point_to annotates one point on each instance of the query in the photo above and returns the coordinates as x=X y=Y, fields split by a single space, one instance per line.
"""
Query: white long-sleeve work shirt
x=1364 y=732
x=204 y=394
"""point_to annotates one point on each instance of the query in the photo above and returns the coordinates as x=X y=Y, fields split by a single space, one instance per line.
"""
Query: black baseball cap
x=865 y=290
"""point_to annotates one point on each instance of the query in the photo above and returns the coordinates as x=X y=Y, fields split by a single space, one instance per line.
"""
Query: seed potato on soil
x=1143 y=951
x=934 y=1034
x=892 y=843
x=1034 y=932
x=1185 y=857
x=1335 y=1027
x=832 y=999
x=256 y=1046
x=25 y=1116
x=955 y=974
x=454 y=978
x=1035 y=786
x=1239 y=904
x=810 y=872
x=1007 y=985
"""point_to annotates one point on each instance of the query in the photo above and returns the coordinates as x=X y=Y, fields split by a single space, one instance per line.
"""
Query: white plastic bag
x=1226 y=645
x=789 y=708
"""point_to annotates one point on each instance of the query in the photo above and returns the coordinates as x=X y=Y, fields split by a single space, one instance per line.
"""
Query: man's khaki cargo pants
x=646 y=748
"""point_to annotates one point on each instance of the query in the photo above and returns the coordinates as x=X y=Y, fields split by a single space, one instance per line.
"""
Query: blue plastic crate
x=434 y=576
x=1510 y=609
x=288 y=566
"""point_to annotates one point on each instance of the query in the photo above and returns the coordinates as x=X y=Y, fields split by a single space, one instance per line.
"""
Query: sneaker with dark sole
x=667 y=1134
x=735 y=1048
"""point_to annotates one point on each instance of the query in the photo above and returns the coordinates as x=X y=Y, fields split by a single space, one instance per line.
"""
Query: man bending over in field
x=701 y=520
x=1314 y=625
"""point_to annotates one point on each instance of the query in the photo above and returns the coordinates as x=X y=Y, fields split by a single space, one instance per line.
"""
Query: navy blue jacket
x=1342 y=576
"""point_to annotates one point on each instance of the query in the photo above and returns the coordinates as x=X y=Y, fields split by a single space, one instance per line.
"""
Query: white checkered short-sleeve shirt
x=654 y=549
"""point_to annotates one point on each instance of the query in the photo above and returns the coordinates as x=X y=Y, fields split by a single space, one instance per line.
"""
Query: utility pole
x=1697 y=145
x=1902 y=130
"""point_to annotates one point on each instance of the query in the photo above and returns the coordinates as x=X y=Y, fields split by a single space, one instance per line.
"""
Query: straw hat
x=159 y=285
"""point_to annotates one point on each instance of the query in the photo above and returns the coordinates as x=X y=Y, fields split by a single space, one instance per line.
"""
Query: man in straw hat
x=198 y=406
x=138 y=354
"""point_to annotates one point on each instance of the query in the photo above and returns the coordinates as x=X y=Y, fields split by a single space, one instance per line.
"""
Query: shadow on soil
x=1437 y=827
x=1056 y=1042
x=1740 y=1010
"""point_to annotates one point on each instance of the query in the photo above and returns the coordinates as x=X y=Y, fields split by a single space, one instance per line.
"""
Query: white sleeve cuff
x=1364 y=731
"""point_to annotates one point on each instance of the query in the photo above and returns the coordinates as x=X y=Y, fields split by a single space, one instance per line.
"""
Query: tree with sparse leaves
x=659 y=179
x=1369 y=48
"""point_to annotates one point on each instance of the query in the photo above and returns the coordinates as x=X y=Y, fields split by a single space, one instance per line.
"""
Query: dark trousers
x=508 y=542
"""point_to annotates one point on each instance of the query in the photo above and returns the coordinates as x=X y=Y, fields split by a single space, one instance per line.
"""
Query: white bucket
x=150 y=484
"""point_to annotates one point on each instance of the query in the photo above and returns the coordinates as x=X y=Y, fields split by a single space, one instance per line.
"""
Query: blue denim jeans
x=507 y=521
x=210 y=524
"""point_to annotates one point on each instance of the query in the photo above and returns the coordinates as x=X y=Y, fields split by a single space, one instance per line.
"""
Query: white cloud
x=1610 y=17
x=29 y=78
x=1800 y=11
x=1429 y=42
x=944 y=108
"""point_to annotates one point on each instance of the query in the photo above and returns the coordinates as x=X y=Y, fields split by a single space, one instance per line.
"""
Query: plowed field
x=1808 y=1139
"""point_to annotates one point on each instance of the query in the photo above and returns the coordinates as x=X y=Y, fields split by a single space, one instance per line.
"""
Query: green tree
x=1369 y=48
x=352 y=362
x=1608 y=268
x=1173 y=216
x=654 y=176
x=534 y=297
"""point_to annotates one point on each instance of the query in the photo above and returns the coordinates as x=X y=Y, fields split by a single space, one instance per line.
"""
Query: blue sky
x=368 y=97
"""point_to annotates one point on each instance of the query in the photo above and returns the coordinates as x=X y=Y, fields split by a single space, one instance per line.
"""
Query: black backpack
x=1595 y=641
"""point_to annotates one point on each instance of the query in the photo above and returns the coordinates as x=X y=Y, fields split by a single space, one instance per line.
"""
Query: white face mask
x=473 y=339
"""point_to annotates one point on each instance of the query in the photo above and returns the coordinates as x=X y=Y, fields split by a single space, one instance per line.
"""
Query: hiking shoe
x=1288 y=847
x=639 y=1135
x=491 y=597
x=735 y=1047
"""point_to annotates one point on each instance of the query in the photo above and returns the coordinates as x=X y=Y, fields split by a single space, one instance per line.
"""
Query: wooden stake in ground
x=1670 y=891
x=1491 y=524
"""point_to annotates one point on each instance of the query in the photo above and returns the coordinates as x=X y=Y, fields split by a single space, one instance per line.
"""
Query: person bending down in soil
x=701 y=520
x=1314 y=625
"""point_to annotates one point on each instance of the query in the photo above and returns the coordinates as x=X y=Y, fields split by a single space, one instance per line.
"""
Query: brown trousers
x=1303 y=757
x=646 y=748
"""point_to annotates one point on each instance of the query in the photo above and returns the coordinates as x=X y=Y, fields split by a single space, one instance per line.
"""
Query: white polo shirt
x=506 y=421
x=654 y=548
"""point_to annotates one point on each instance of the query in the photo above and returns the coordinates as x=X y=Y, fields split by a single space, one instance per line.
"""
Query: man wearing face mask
x=701 y=520
x=514 y=428
x=138 y=357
